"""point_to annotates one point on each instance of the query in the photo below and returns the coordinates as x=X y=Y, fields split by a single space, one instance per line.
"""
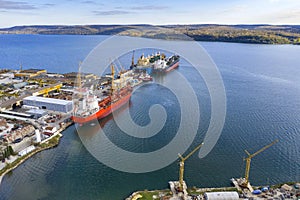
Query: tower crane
x=181 y=164
x=248 y=161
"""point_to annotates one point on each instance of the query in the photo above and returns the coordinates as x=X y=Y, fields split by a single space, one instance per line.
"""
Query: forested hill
x=261 y=34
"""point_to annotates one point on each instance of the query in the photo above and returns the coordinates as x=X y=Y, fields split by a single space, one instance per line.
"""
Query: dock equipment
x=45 y=90
x=248 y=161
x=181 y=164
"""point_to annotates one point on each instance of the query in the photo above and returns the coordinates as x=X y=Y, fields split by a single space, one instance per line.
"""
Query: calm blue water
x=263 y=103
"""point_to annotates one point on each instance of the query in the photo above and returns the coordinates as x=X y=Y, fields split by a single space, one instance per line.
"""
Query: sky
x=156 y=12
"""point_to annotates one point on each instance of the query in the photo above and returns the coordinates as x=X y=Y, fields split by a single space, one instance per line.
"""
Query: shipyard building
x=221 y=196
x=29 y=73
x=49 y=103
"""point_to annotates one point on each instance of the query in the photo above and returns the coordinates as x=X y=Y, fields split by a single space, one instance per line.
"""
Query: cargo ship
x=166 y=64
x=143 y=64
x=88 y=106
x=156 y=63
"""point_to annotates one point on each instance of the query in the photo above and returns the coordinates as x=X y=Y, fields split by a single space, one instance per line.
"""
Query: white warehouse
x=221 y=196
x=49 y=103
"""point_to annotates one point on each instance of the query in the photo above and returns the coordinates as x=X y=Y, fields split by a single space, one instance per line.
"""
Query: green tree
x=2 y=155
x=7 y=152
x=297 y=41
x=11 y=151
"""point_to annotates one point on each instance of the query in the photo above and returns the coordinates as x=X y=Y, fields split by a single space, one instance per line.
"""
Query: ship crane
x=132 y=59
x=181 y=164
x=79 y=76
x=120 y=71
x=248 y=161
x=78 y=82
x=121 y=67
x=112 y=68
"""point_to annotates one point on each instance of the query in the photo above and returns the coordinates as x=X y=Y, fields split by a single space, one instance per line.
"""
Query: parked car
x=17 y=140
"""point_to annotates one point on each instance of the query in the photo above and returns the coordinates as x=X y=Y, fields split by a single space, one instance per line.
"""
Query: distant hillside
x=261 y=34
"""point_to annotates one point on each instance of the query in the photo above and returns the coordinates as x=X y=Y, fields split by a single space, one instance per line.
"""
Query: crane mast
x=79 y=76
x=112 y=68
x=79 y=85
x=132 y=59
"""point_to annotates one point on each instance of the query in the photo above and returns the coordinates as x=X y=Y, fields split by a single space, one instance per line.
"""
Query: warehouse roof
x=36 y=111
x=48 y=100
x=32 y=70
x=15 y=113
x=221 y=195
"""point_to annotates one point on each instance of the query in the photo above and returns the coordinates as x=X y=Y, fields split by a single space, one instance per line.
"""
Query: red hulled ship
x=88 y=106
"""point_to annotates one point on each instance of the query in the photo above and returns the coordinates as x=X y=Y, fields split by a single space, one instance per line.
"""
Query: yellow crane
x=79 y=76
x=112 y=68
x=45 y=90
x=248 y=161
x=79 y=81
x=181 y=164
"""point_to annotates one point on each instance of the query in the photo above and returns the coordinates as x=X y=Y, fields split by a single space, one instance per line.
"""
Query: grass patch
x=148 y=195
x=50 y=143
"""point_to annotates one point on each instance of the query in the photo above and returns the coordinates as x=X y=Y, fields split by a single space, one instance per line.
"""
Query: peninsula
x=257 y=33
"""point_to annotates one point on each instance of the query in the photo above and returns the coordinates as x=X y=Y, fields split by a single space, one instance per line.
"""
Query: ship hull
x=169 y=68
x=172 y=67
x=104 y=112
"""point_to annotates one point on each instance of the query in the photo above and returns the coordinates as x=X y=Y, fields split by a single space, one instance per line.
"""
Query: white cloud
x=15 y=5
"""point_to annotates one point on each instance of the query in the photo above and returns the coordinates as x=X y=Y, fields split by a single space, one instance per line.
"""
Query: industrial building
x=49 y=103
x=83 y=76
x=26 y=150
x=221 y=196
x=20 y=85
x=29 y=73
x=37 y=113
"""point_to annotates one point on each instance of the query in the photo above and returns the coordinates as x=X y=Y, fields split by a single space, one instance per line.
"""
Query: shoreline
x=49 y=143
x=193 y=37
x=194 y=191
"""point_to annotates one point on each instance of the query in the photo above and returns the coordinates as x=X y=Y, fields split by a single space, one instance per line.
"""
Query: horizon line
x=171 y=24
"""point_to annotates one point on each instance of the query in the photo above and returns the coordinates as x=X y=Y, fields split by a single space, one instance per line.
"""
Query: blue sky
x=70 y=12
